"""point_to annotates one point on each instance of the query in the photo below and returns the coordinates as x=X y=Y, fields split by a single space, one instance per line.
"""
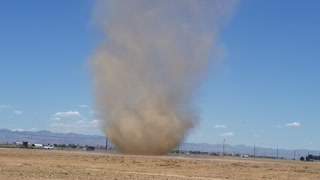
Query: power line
x=224 y=140
x=254 y=151
x=106 y=143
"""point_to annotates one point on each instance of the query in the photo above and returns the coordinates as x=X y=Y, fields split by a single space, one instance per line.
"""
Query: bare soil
x=59 y=164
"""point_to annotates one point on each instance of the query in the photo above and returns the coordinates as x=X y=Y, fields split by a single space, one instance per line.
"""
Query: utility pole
x=294 y=155
x=277 y=153
x=224 y=140
x=106 y=143
x=254 y=151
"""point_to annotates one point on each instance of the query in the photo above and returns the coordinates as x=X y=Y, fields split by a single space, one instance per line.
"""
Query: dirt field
x=58 y=164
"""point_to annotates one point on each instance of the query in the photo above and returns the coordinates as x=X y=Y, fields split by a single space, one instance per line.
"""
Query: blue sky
x=264 y=92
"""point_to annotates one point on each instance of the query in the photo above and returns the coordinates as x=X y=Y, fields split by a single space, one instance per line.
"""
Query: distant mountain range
x=249 y=150
x=47 y=137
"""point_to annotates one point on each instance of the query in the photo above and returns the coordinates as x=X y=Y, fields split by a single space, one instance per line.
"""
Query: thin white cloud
x=294 y=124
x=57 y=125
x=96 y=121
x=3 y=107
x=76 y=126
x=18 y=129
x=55 y=118
x=219 y=126
x=17 y=112
x=94 y=112
x=88 y=124
x=32 y=129
x=278 y=126
x=68 y=114
x=83 y=106
x=228 y=134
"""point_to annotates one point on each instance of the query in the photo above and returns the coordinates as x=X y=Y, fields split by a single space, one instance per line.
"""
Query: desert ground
x=62 y=164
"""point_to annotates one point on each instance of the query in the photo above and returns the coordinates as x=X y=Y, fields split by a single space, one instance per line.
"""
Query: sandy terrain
x=58 y=164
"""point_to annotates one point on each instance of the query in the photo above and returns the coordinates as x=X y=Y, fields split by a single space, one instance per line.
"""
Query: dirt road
x=58 y=164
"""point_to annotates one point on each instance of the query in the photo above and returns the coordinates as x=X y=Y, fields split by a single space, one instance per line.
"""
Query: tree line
x=310 y=157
